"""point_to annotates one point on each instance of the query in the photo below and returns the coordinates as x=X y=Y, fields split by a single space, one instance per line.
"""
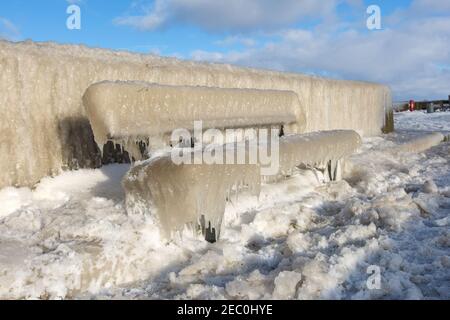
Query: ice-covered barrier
x=44 y=128
x=196 y=194
x=421 y=143
x=138 y=110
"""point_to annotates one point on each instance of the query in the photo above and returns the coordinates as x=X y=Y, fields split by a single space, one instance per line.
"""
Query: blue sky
x=45 y=20
x=411 y=52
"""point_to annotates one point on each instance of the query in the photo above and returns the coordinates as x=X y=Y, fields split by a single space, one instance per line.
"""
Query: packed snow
x=422 y=121
x=70 y=236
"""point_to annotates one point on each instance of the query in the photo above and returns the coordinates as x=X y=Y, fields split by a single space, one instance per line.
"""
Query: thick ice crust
x=192 y=194
x=317 y=148
x=139 y=109
x=184 y=195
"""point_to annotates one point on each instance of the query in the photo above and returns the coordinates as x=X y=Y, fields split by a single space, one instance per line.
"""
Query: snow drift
x=421 y=143
x=42 y=85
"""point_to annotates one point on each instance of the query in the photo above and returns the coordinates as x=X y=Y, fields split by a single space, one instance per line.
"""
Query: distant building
x=423 y=105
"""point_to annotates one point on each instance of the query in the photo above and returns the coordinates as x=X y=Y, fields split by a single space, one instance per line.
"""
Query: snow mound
x=12 y=199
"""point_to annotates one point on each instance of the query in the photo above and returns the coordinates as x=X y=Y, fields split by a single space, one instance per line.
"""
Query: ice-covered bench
x=196 y=194
x=190 y=193
x=130 y=112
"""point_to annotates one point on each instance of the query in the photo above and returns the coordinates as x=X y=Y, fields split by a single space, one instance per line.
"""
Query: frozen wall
x=44 y=129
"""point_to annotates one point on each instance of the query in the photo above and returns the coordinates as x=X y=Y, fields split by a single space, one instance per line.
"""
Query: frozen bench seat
x=128 y=112
x=196 y=194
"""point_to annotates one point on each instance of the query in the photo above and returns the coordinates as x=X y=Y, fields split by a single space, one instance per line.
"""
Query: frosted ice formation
x=42 y=85
x=137 y=110
x=421 y=143
x=187 y=194
x=192 y=194
x=318 y=149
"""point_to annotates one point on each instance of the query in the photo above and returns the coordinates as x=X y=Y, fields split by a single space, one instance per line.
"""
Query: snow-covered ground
x=422 y=121
x=70 y=237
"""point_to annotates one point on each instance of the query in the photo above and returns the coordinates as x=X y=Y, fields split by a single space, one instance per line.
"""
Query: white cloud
x=231 y=15
x=8 y=30
x=411 y=53
x=435 y=6
x=236 y=39
x=413 y=56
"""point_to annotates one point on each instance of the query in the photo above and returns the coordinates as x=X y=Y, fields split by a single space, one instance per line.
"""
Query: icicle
x=183 y=193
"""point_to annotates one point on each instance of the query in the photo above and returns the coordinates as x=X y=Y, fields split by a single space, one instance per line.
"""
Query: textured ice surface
x=187 y=194
x=139 y=110
x=44 y=128
x=183 y=194
x=317 y=148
